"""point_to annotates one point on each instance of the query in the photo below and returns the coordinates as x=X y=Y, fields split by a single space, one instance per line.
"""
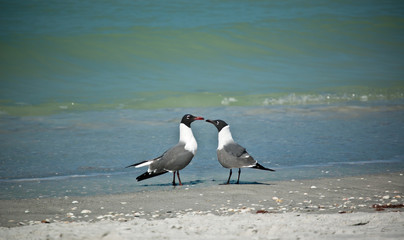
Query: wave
x=167 y=100
x=398 y=159
x=60 y=178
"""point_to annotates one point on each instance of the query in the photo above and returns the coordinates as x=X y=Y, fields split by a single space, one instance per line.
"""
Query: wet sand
x=330 y=208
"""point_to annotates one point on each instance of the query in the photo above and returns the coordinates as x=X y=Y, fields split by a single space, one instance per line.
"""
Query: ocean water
x=311 y=89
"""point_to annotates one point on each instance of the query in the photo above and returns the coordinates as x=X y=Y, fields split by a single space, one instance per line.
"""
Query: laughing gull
x=230 y=154
x=175 y=158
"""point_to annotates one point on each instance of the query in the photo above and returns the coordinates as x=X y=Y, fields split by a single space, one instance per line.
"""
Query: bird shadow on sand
x=246 y=183
x=197 y=182
x=194 y=182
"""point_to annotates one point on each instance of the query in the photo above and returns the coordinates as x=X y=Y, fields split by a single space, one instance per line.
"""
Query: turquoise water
x=86 y=153
x=153 y=54
x=87 y=88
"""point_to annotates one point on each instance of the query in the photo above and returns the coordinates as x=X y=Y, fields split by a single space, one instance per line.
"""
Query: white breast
x=187 y=137
x=224 y=137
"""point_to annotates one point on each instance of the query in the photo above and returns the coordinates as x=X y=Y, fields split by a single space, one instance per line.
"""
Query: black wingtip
x=260 y=167
x=147 y=175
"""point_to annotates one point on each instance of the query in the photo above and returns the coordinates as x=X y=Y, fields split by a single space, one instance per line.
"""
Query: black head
x=219 y=124
x=187 y=119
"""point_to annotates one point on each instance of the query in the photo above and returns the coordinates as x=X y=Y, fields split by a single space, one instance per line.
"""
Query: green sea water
x=159 y=54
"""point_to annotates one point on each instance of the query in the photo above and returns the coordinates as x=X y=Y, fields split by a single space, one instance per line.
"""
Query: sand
x=350 y=207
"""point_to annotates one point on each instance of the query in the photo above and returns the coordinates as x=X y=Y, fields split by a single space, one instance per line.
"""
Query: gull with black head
x=175 y=158
x=230 y=154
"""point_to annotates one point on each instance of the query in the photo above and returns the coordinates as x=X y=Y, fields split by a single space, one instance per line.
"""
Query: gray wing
x=235 y=156
x=174 y=159
x=235 y=149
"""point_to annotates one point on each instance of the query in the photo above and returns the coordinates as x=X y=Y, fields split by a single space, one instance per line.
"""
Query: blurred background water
x=312 y=89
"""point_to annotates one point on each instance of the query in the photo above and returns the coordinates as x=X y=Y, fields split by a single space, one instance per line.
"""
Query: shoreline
x=370 y=196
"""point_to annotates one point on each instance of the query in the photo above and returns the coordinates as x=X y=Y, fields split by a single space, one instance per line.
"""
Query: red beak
x=199 y=118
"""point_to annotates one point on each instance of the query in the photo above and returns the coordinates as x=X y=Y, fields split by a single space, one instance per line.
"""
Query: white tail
x=144 y=164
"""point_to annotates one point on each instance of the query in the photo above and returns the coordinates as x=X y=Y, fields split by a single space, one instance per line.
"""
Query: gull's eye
x=217 y=123
x=188 y=116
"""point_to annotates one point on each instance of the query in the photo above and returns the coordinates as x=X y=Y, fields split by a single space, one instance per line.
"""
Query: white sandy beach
x=237 y=226
x=352 y=207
